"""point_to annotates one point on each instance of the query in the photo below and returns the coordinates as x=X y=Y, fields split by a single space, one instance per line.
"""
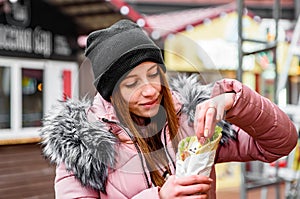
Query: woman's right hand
x=192 y=187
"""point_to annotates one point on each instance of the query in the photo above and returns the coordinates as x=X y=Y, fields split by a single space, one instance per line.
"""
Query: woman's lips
x=150 y=103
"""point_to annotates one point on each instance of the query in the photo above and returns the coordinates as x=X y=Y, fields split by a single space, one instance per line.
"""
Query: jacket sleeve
x=264 y=131
x=67 y=186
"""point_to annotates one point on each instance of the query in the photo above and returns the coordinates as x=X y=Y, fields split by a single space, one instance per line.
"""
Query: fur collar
x=87 y=148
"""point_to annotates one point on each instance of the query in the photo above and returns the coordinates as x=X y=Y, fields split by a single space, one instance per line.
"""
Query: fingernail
x=205 y=132
x=202 y=140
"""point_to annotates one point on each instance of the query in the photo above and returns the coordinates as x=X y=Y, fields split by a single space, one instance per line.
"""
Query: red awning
x=174 y=22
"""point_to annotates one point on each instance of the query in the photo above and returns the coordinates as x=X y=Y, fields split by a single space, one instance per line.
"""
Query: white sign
x=35 y=41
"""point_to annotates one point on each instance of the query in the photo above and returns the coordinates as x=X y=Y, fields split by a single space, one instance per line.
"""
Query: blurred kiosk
x=38 y=66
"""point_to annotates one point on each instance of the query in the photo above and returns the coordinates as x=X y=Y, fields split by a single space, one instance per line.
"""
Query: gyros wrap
x=193 y=158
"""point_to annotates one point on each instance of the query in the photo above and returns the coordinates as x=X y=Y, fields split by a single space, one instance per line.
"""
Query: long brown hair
x=153 y=143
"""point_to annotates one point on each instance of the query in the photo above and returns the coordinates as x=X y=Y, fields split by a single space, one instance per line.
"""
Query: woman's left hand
x=209 y=113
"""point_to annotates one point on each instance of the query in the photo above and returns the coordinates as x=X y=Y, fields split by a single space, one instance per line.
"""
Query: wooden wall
x=24 y=173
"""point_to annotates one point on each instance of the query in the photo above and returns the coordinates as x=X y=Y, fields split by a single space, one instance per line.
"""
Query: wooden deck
x=24 y=173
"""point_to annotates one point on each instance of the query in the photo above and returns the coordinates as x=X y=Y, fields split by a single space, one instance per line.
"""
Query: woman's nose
x=148 y=90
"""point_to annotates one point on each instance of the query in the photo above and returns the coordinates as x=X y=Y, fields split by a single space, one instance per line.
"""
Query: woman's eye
x=155 y=74
x=130 y=84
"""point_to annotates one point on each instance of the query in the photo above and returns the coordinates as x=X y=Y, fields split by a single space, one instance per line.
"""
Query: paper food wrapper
x=193 y=158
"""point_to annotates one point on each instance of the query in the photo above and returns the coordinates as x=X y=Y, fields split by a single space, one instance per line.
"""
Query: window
x=5 y=93
x=32 y=97
x=28 y=89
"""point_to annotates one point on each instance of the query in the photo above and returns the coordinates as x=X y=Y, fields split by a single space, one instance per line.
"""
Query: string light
x=189 y=27
x=155 y=35
x=141 y=22
x=124 y=10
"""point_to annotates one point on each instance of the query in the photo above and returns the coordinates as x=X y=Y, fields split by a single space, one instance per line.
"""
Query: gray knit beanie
x=116 y=50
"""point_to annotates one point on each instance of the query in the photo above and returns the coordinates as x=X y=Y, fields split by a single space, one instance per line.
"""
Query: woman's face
x=141 y=89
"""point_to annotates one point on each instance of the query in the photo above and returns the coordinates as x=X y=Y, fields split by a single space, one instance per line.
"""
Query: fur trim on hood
x=88 y=148
x=85 y=148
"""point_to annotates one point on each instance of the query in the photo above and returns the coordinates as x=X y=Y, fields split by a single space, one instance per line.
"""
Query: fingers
x=194 y=185
x=220 y=112
x=205 y=121
x=196 y=190
x=193 y=179
x=210 y=121
x=199 y=121
x=207 y=115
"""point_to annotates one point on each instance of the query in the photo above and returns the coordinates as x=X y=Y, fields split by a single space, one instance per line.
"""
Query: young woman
x=124 y=144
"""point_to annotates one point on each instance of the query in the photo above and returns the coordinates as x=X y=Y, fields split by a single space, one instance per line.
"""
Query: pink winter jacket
x=263 y=132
